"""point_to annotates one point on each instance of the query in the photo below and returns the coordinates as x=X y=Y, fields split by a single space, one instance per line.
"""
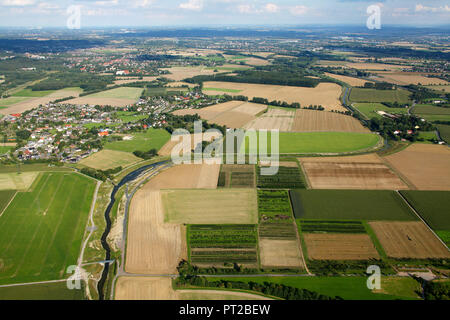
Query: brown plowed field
x=339 y=246
x=409 y=240
x=355 y=82
x=280 y=253
x=233 y=114
x=313 y=120
x=367 y=176
x=325 y=94
x=425 y=166
x=186 y=176
x=144 y=288
x=364 y=158
x=153 y=246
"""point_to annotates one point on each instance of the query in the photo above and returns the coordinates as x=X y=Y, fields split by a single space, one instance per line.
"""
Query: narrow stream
x=129 y=177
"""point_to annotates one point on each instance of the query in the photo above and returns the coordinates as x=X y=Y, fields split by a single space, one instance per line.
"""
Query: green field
x=370 y=109
x=5 y=198
x=127 y=116
x=434 y=117
x=445 y=236
x=44 y=291
x=444 y=132
x=275 y=215
x=151 y=139
x=286 y=178
x=119 y=93
x=5 y=149
x=433 y=206
x=31 y=93
x=426 y=109
x=426 y=136
x=42 y=229
x=6 y=102
x=212 y=244
x=32 y=167
x=373 y=95
x=318 y=142
x=160 y=91
x=349 y=205
x=348 y=288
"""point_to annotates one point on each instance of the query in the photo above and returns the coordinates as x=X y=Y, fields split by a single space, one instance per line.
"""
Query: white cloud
x=245 y=8
x=299 y=10
x=195 y=5
x=271 y=7
x=107 y=3
x=17 y=3
x=422 y=8
x=143 y=3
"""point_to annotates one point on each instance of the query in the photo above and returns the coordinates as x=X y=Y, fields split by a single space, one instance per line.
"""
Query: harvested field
x=409 y=240
x=339 y=247
x=325 y=94
x=166 y=149
x=153 y=246
x=366 y=176
x=224 y=206
x=233 y=114
x=15 y=181
x=109 y=159
x=405 y=78
x=127 y=80
x=24 y=104
x=364 y=158
x=440 y=88
x=280 y=253
x=181 y=73
x=273 y=119
x=217 y=295
x=144 y=288
x=119 y=97
x=426 y=166
x=376 y=66
x=313 y=121
x=354 y=82
x=186 y=176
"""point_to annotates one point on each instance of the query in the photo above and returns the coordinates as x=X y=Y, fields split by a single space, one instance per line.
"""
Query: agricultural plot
x=151 y=139
x=354 y=82
x=236 y=176
x=325 y=94
x=17 y=181
x=109 y=159
x=153 y=246
x=349 y=205
x=42 y=291
x=118 y=97
x=426 y=166
x=286 y=178
x=369 y=110
x=331 y=226
x=313 y=121
x=223 y=206
x=373 y=95
x=328 y=143
x=144 y=288
x=406 y=78
x=273 y=119
x=233 y=114
x=409 y=240
x=331 y=246
x=186 y=176
x=368 y=174
x=444 y=132
x=43 y=229
x=5 y=197
x=425 y=109
x=222 y=244
x=433 y=207
x=181 y=73
x=280 y=254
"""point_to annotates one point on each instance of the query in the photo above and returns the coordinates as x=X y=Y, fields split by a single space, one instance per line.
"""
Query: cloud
x=299 y=10
x=143 y=3
x=195 y=5
x=17 y=3
x=422 y=8
x=271 y=7
x=245 y=8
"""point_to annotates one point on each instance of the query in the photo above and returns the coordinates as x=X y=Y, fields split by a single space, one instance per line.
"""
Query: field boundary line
x=6 y=207
x=418 y=215
x=305 y=175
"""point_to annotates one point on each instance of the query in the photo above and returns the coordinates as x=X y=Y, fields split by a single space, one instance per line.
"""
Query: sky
x=153 y=13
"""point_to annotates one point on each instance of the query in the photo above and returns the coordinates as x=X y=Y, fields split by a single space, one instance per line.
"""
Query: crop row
x=274 y=206
x=222 y=236
x=278 y=231
x=286 y=178
x=229 y=256
x=333 y=226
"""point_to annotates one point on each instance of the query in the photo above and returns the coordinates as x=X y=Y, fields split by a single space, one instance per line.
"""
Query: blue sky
x=42 y=13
